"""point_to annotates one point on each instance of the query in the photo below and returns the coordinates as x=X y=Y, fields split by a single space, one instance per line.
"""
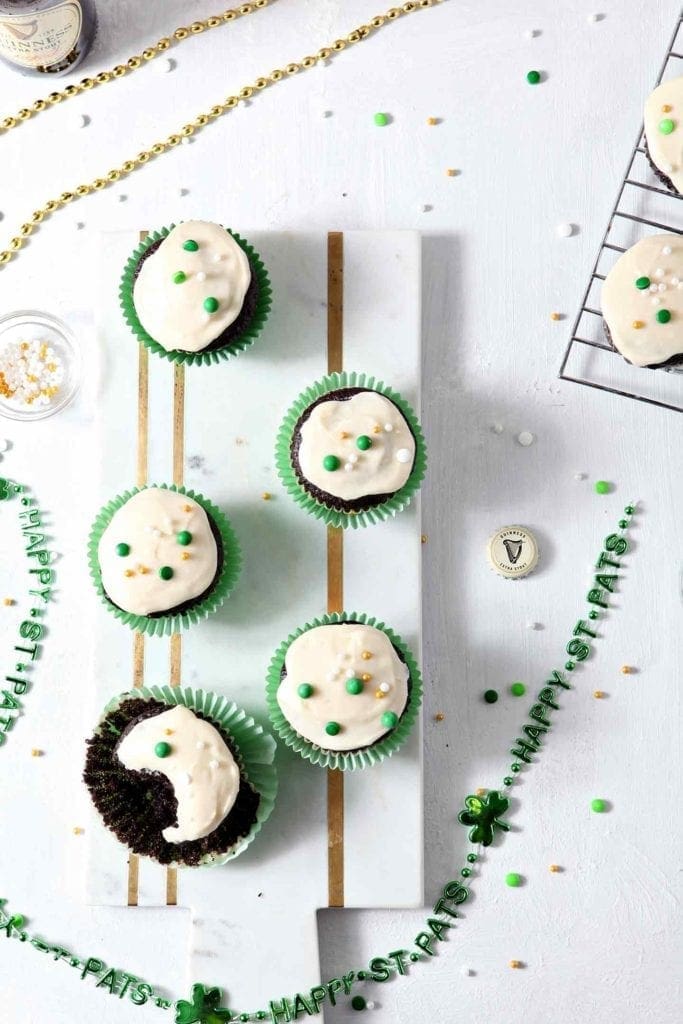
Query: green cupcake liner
x=203 y=358
x=164 y=625
x=255 y=750
x=331 y=516
x=354 y=760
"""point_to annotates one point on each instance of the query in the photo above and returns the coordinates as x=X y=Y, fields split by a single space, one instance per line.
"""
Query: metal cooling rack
x=643 y=206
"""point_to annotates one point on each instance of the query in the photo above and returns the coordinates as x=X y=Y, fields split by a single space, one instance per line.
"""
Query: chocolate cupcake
x=179 y=777
x=195 y=293
x=642 y=302
x=343 y=691
x=351 y=451
x=663 y=124
x=162 y=557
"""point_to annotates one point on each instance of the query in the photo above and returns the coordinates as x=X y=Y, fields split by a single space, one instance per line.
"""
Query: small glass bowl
x=27 y=325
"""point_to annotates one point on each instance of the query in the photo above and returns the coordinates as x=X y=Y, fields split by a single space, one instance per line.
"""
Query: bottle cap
x=513 y=552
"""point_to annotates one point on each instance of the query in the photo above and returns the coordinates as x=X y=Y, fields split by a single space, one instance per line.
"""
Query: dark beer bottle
x=46 y=37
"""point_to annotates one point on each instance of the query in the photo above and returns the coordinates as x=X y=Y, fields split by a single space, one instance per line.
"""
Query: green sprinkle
x=211 y=304
x=518 y=689
x=598 y=805
x=331 y=462
x=491 y=696
x=358 y=1003
x=592 y=614
x=184 y=537
x=190 y=245
x=354 y=685
x=629 y=510
x=389 y=719
x=166 y=572
x=179 y=277
x=466 y=872
x=666 y=126
x=602 y=487
x=513 y=879
x=471 y=857
x=663 y=316
x=533 y=77
x=305 y=690
x=623 y=524
x=381 y=120
x=642 y=283
x=332 y=728
x=515 y=767
x=508 y=780
x=162 y=749
x=122 y=550
x=363 y=442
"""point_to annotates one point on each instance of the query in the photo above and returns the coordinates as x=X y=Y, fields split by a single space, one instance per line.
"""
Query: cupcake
x=179 y=777
x=642 y=302
x=663 y=125
x=343 y=691
x=195 y=293
x=162 y=557
x=350 y=450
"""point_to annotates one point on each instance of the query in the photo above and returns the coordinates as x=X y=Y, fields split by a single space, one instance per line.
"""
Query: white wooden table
x=599 y=938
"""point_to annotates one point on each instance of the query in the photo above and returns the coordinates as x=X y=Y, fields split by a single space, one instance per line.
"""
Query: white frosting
x=333 y=429
x=174 y=314
x=326 y=657
x=200 y=767
x=660 y=258
x=149 y=523
x=666 y=150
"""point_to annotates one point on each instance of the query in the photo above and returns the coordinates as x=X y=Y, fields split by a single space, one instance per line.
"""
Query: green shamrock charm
x=205 y=1007
x=483 y=814
x=6 y=489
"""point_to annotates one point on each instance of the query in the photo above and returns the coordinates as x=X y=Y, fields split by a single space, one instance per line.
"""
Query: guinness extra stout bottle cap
x=513 y=552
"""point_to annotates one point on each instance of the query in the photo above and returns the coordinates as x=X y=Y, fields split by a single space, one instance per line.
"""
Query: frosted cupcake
x=162 y=557
x=343 y=691
x=351 y=451
x=195 y=293
x=663 y=123
x=180 y=777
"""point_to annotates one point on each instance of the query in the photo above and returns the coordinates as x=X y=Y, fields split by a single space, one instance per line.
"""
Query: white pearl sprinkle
x=580 y=476
x=384 y=687
x=185 y=141
x=78 y=120
x=182 y=192
x=496 y=428
x=653 y=288
x=525 y=438
x=534 y=625
x=217 y=257
x=163 y=64
x=666 y=250
x=403 y=455
x=426 y=208
x=531 y=33
x=331 y=676
x=656 y=301
x=201 y=276
x=592 y=18
x=565 y=230
x=669 y=168
x=679 y=285
x=4 y=444
x=214 y=764
x=659 y=272
x=201 y=745
x=353 y=458
x=388 y=427
x=662 y=287
x=122 y=197
x=327 y=113
x=466 y=972
x=348 y=466
x=186 y=778
x=675 y=280
x=370 y=1005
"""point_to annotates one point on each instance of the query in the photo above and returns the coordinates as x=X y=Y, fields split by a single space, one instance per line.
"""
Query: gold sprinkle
x=129 y=572
x=185 y=555
x=433 y=120
x=555 y=316
x=266 y=496
x=637 y=324
x=366 y=677
x=343 y=434
x=8 y=601
x=516 y=964
x=78 y=831
x=23 y=346
x=626 y=670
x=451 y=172
x=366 y=655
x=36 y=753
x=168 y=732
x=377 y=429
x=439 y=716
x=423 y=538
x=51 y=367
x=480 y=792
x=666 y=107
x=555 y=868
x=187 y=508
x=379 y=694
x=32 y=377
x=143 y=570
x=599 y=694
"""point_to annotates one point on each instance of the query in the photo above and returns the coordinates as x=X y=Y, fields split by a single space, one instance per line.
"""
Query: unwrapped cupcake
x=162 y=558
x=343 y=691
x=195 y=293
x=181 y=777
x=350 y=451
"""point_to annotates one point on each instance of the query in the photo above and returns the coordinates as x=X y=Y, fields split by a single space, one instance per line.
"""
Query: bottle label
x=43 y=38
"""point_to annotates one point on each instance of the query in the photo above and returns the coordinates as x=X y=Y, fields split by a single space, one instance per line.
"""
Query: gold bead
x=66 y=197
x=277 y=75
x=231 y=102
x=515 y=964
x=173 y=140
x=163 y=44
x=266 y=496
x=129 y=572
x=128 y=167
x=37 y=216
x=423 y=538
x=168 y=732
x=666 y=107
x=8 y=601
x=187 y=130
x=83 y=190
x=480 y=792
x=24 y=114
x=99 y=184
x=113 y=175
x=217 y=110
x=308 y=62
x=39 y=105
x=325 y=53
x=554 y=868
x=201 y=120
x=353 y=37
x=338 y=45
x=185 y=555
x=292 y=68
x=379 y=694
x=598 y=694
x=5 y=257
x=181 y=33
x=143 y=157
x=377 y=21
x=439 y=716
x=16 y=243
x=158 y=148
x=119 y=71
x=246 y=92
x=245 y=9
x=197 y=27
x=51 y=205
x=55 y=97
x=365 y=31
x=228 y=15
x=626 y=670
x=393 y=12
x=36 y=753
x=366 y=677
x=213 y=22
x=9 y=122
x=134 y=62
x=25 y=229
x=78 y=831
x=261 y=83
x=101 y=78
x=366 y=655
x=409 y=7
x=86 y=83
x=637 y=324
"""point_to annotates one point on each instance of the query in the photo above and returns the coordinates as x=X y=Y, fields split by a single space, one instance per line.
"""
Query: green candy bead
x=381 y=120
x=162 y=749
x=211 y=304
x=331 y=462
x=508 y=780
x=533 y=77
x=515 y=767
x=629 y=510
x=358 y=1003
x=466 y=872
x=666 y=125
x=623 y=524
x=471 y=857
x=518 y=689
x=122 y=550
x=190 y=245
x=363 y=442
x=491 y=696
x=184 y=537
x=570 y=666
x=354 y=685
x=166 y=572
x=333 y=728
x=389 y=719
x=305 y=690
x=602 y=487
x=598 y=806
x=642 y=283
x=663 y=316
x=592 y=614
x=179 y=277
x=513 y=879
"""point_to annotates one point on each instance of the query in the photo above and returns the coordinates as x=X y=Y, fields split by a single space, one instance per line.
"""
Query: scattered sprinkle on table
x=4 y=444
x=534 y=625
x=515 y=964
x=78 y=831
x=525 y=438
x=480 y=791
x=35 y=752
x=490 y=696
x=496 y=428
x=122 y=197
x=598 y=694
x=163 y=64
x=533 y=77
x=8 y=601
x=466 y=972
x=266 y=496
x=513 y=879
x=598 y=805
x=626 y=670
x=580 y=476
x=30 y=372
x=433 y=120
x=554 y=868
x=381 y=119
x=423 y=538
x=531 y=33
x=518 y=689
x=426 y=207
x=78 y=121
x=327 y=113
x=555 y=316
x=565 y=229
x=452 y=172
x=593 y=18
x=602 y=487
x=439 y=716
